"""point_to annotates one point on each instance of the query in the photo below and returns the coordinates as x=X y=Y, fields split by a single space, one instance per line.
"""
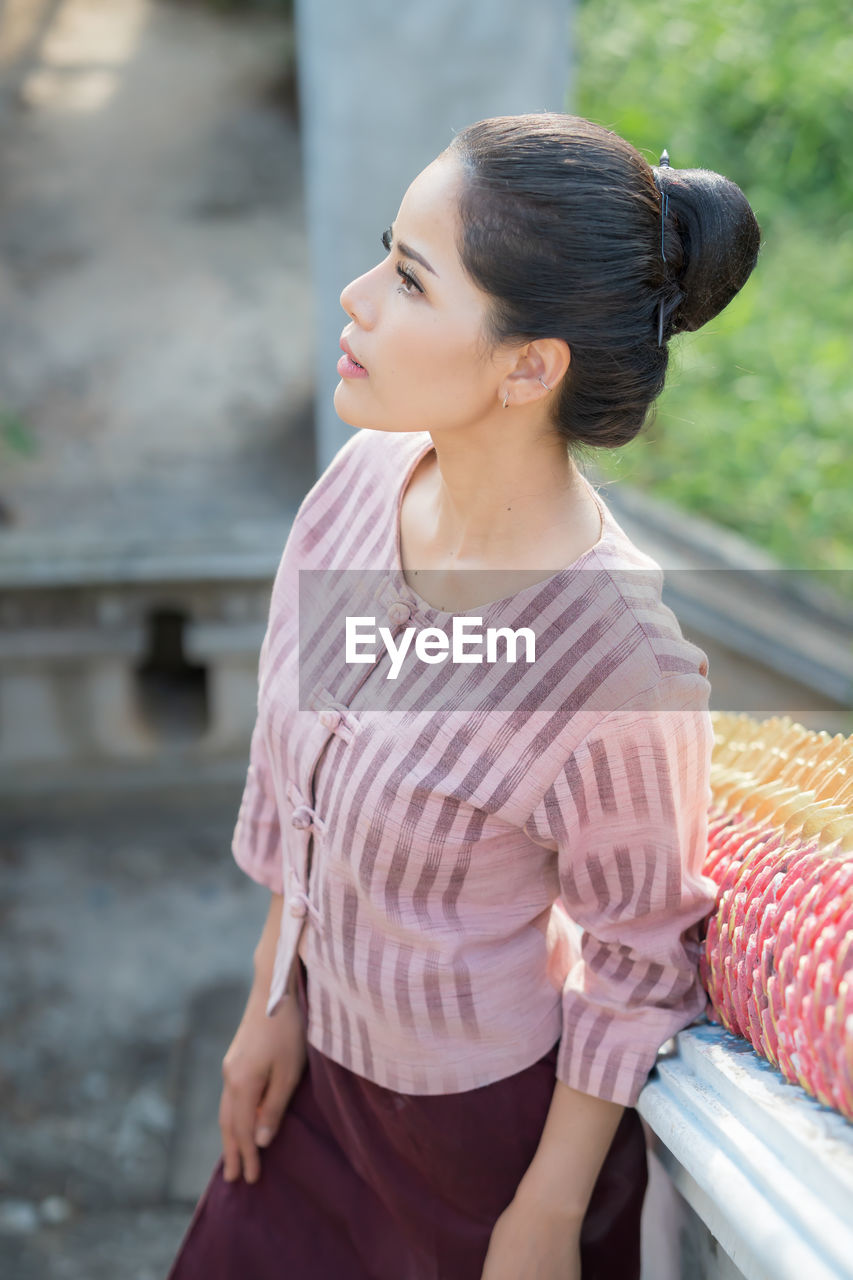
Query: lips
x=345 y=347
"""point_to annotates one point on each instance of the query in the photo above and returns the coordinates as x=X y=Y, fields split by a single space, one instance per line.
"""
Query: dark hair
x=561 y=225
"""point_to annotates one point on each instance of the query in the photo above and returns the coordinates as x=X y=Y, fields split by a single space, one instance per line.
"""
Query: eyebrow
x=408 y=252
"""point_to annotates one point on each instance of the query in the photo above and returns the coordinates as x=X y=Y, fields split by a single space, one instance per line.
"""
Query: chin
x=339 y=402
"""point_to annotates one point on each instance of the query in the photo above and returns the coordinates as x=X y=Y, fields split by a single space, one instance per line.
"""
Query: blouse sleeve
x=256 y=845
x=257 y=841
x=628 y=816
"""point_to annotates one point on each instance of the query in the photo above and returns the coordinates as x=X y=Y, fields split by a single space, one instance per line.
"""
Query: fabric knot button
x=399 y=612
x=330 y=718
x=298 y=907
x=302 y=818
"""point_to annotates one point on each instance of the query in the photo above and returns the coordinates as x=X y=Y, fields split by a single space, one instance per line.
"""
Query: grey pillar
x=383 y=87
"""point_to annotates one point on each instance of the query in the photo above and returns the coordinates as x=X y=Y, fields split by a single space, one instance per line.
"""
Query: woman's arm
x=576 y=1138
x=263 y=1064
x=628 y=815
x=538 y=1234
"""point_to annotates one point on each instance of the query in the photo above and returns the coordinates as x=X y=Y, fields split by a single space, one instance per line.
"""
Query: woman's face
x=417 y=323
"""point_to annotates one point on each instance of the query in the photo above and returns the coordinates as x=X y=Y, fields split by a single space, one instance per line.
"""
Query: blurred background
x=185 y=187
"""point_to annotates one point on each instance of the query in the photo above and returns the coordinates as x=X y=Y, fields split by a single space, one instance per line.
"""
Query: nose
x=358 y=299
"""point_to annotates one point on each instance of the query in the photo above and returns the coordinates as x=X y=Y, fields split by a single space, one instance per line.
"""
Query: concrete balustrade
x=126 y=676
x=753 y=1179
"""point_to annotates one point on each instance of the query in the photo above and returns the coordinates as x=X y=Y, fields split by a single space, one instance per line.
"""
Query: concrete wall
x=383 y=87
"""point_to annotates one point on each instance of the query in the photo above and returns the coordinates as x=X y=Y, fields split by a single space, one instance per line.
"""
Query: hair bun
x=720 y=239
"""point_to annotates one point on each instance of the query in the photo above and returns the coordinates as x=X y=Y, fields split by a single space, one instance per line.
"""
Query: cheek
x=443 y=357
x=463 y=381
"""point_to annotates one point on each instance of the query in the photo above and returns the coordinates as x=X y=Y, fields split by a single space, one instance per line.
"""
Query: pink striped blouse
x=477 y=858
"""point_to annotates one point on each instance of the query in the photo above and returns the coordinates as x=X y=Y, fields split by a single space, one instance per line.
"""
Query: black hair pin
x=663 y=163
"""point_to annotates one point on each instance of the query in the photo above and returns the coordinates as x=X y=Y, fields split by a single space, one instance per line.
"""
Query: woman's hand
x=537 y=1237
x=532 y=1242
x=260 y=1071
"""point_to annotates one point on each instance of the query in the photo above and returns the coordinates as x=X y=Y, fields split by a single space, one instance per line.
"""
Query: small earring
x=544 y=384
x=506 y=401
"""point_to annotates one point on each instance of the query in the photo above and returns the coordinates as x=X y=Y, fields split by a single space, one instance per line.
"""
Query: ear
x=543 y=361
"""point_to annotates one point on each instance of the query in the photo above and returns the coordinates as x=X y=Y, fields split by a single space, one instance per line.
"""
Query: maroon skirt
x=363 y=1183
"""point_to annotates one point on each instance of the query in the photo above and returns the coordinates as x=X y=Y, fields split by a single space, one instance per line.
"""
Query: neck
x=497 y=503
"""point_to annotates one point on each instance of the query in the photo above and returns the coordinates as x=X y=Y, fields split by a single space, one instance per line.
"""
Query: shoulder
x=615 y=643
x=367 y=462
x=637 y=588
x=346 y=518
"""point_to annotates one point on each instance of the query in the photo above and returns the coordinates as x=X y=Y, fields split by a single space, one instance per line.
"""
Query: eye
x=410 y=283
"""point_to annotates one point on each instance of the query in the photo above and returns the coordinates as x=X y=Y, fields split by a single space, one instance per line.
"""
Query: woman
x=485 y=892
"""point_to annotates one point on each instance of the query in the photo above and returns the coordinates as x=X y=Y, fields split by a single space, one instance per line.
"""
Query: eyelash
x=405 y=274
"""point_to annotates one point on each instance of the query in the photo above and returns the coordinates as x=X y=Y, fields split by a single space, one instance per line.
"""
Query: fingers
x=247 y=1122
x=238 y=1157
x=273 y=1105
x=237 y=1125
x=260 y=1072
x=231 y=1164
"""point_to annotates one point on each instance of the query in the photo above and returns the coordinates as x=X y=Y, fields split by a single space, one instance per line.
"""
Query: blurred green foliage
x=248 y=6
x=15 y=435
x=756 y=425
